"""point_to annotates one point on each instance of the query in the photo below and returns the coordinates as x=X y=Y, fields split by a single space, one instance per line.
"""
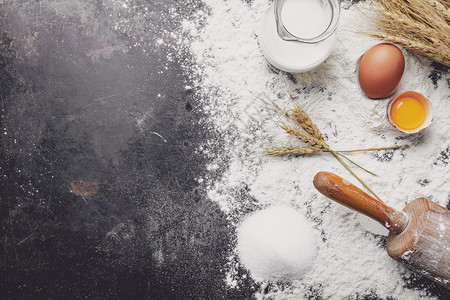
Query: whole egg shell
x=380 y=70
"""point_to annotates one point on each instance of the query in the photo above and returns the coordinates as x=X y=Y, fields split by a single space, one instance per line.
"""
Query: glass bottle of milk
x=298 y=35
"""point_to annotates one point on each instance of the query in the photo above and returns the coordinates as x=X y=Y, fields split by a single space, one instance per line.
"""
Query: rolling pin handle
x=345 y=193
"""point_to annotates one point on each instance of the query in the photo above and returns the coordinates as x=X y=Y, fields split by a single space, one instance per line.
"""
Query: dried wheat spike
x=305 y=138
x=296 y=151
x=421 y=26
x=302 y=119
x=422 y=49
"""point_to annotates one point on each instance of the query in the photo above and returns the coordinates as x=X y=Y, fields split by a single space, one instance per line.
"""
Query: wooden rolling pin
x=419 y=236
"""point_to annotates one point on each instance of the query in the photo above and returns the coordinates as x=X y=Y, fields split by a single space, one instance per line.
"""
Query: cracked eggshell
x=427 y=108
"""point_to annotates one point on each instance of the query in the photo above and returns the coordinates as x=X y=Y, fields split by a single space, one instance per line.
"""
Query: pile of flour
x=234 y=83
x=276 y=244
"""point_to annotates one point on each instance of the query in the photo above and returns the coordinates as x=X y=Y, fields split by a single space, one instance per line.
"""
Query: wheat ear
x=419 y=48
x=305 y=137
x=420 y=26
x=296 y=151
x=301 y=118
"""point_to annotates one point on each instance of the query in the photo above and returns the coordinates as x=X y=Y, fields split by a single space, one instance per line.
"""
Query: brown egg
x=380 y=70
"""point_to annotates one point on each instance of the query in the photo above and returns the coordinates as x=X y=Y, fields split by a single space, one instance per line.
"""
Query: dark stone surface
x=98 y=157
x=98 y=137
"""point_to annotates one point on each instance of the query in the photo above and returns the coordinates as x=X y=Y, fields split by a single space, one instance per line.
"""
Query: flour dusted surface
x=233 y=78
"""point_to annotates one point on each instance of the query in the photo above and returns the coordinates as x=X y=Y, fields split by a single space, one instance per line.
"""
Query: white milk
x=304 y=19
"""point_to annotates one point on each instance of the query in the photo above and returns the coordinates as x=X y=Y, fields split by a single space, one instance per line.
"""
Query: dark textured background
x=98 y=139
x=97 y=157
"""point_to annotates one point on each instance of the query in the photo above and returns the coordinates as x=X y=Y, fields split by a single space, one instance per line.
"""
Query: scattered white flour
x=276 y=243
x=233 y=77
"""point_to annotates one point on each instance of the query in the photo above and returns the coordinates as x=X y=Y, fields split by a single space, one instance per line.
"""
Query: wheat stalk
x=305 y=137
x=301 y=117
x=394 y=19
x=421 y=26
x=444 y=7
x=417 y=47
x=374 y=149
x=307 y=132
x=294 y=151
x=304 y=129
x=356 y=176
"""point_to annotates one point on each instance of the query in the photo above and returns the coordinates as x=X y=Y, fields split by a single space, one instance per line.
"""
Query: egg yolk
x=407 y=113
